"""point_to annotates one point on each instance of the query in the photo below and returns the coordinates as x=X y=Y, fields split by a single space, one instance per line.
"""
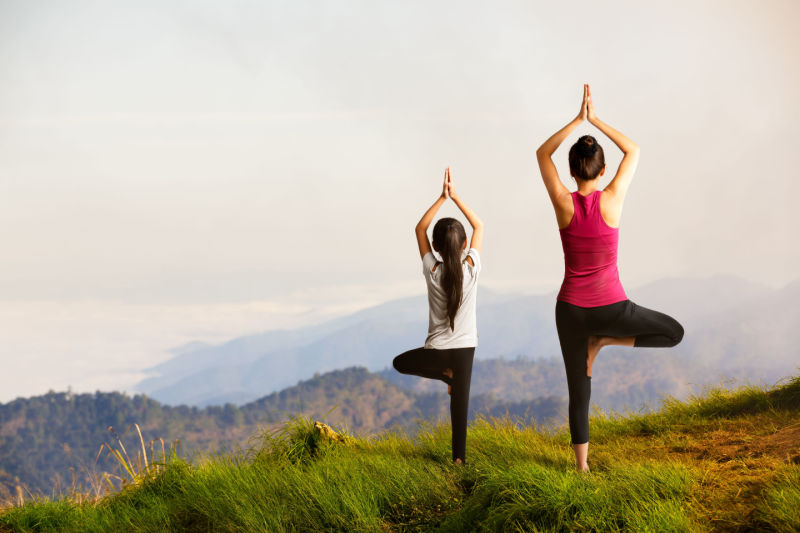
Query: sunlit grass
x=679 y=469
x=779 y=506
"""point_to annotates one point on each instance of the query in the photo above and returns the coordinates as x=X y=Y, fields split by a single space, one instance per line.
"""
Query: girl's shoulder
x=429 y=262
x=473 y=259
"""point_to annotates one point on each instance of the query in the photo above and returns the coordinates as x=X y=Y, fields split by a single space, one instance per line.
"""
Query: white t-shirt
x=465 y=332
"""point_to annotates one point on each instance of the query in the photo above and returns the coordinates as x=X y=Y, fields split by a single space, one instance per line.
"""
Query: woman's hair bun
x=586 y=145
x=586 y=159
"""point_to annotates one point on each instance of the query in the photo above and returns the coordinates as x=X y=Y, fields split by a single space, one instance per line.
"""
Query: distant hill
x=42 y=437
x=250 y=367
x=727 y=319
x=619 y=380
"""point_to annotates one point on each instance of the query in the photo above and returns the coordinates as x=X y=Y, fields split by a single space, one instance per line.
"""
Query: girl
x=592 y=310
x=452 y=287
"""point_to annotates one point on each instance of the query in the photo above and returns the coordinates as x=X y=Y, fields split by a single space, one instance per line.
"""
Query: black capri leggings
x=430 y=363
x=622 y=319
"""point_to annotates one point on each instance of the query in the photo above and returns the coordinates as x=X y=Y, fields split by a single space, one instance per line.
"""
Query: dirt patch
x=736 y=462
x=785 y=443
x=726 y=445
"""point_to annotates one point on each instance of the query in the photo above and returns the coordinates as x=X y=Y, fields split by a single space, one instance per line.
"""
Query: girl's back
x=464 y=332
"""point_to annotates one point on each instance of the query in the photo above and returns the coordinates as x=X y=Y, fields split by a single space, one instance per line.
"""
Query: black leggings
x=430 y=363
x=622 y=319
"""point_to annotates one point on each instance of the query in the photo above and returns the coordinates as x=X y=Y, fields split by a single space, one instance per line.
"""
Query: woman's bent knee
x=677 y=333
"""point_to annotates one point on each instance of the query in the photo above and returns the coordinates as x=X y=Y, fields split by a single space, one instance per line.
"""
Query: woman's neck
x=586 y=187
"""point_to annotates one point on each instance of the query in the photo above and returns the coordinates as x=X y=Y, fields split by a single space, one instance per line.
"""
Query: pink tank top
x=591 y=277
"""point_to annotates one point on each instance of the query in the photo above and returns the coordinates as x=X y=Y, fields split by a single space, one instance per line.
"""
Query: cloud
x=186 y=155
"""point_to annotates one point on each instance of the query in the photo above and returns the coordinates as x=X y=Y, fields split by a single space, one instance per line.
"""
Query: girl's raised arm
x=472 y=217
x=421 y=229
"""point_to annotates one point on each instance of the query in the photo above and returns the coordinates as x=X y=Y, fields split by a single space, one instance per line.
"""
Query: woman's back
x=591 y=276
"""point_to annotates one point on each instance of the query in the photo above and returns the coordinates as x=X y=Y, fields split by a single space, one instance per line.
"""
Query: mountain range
x=735 y=330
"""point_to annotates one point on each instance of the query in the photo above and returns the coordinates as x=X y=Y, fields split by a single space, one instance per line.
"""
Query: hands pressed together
x=587 y=106
x=448 y=189
x=448 y=192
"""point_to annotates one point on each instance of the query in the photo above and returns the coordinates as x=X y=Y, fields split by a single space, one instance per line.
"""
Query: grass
x=721 y=461
x=778 y=510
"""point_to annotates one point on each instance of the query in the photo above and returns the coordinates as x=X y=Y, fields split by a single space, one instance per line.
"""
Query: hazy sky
x=172 y=171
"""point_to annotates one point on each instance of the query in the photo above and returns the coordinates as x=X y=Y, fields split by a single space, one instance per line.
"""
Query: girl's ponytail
x=448 y=239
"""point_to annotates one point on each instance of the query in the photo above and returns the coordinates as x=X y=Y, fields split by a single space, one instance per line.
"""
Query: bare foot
x=584 y=469
x=595 y=343
x=458 y=462
x=449 y=374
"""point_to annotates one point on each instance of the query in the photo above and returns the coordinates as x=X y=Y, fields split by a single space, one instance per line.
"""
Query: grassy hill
x=47 y=440
x=724 y=461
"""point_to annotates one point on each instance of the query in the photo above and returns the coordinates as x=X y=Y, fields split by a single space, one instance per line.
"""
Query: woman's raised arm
x=622 y=180
x=559 y=194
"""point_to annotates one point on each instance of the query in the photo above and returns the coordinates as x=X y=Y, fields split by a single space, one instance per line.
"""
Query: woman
x=452 y=287
x=592 y=310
